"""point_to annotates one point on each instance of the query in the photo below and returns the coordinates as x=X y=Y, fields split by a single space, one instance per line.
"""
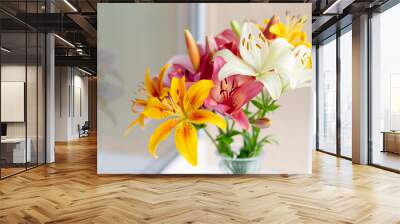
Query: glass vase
x=240 y=165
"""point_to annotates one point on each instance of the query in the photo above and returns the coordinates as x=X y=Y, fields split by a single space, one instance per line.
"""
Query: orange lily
x=292 y=31
x=152 y=88
x=183 y=108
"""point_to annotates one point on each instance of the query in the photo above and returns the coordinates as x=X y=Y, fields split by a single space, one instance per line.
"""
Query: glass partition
x=23 y=90
x=385 y=90
x=327 y=96
x=346 y=93
x=13 y=105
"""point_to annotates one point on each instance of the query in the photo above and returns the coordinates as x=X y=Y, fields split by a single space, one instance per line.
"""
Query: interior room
x=199 y=112
x=23 y=99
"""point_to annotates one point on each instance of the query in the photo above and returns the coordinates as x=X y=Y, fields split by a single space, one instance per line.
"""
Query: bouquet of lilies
x=232 y=81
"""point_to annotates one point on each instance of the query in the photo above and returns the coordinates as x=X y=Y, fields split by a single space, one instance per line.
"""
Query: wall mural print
x=216 y=100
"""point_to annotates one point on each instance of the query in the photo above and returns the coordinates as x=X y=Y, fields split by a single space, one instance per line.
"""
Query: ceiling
x=75 y=22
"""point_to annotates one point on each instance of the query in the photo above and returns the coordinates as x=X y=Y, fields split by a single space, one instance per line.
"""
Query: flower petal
x=182 y=60
x=193 y=50
x=178 y=90
x=233 y=66
x=278 y=29
x=267 y=33
x=253 y=46
x=244 y=93
x=186 y=142
x=206 y=116
x=138 y=120
x=288 y=63
x=160 y=77
x=148 y=83
x=160 y=134
x=273 y=83
x=196 y=95
x=240 y=118
x=157 y=109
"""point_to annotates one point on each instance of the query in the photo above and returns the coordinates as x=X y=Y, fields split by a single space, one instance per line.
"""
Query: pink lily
x=229 y=95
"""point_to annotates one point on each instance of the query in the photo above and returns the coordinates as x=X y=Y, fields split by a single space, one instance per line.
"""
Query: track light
x=331 y=7
x=84 y=71
x=337 y=7
x=5 y=50
x=70 y=5
x=65 y=41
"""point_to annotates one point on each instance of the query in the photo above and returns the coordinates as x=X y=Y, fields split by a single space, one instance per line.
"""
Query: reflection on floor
x=387 y=159
x=11 y=169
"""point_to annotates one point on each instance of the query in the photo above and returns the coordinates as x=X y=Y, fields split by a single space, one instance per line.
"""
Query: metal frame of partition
x=43 y=96
x=339 y=32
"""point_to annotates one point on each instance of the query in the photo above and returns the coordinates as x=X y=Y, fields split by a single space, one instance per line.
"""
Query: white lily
x=278 y=65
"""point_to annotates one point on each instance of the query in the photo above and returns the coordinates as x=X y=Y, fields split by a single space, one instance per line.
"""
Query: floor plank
x=70 y=191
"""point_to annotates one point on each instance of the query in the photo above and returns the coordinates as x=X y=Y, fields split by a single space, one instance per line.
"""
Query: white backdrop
x=132 y=37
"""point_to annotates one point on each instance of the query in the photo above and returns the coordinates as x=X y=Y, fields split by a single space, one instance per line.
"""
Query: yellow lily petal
x=148 y=83
x=141 y=119
x=160 y=134
x=297 y=37
x=138 y=105
x=138 y=120
x=160 y=77
x=193 y=50
x=186 y=142
x=206 y=116
x=196 y=94
x=157 y=109
x=178 y=90
x=278 y=29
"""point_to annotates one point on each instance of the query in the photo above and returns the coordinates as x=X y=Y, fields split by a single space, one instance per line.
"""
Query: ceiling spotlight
x=70 y=5
x=65 y=41
x=5 y=50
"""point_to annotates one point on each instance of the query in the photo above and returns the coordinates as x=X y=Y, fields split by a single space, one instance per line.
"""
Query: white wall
x=70 y=83
x=146 y=36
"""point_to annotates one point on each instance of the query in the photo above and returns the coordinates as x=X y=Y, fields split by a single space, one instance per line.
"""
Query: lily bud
x=211 y=45
x=193 y=50
x=236 y=28
x=270 y=36
x=263 y=122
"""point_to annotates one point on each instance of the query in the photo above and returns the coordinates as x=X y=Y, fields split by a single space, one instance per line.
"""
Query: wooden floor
x=70 y=191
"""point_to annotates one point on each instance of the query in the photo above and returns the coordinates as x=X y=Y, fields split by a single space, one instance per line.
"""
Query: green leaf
x=257 y=104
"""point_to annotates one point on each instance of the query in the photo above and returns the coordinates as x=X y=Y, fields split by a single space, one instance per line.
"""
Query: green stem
x=211 y=138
